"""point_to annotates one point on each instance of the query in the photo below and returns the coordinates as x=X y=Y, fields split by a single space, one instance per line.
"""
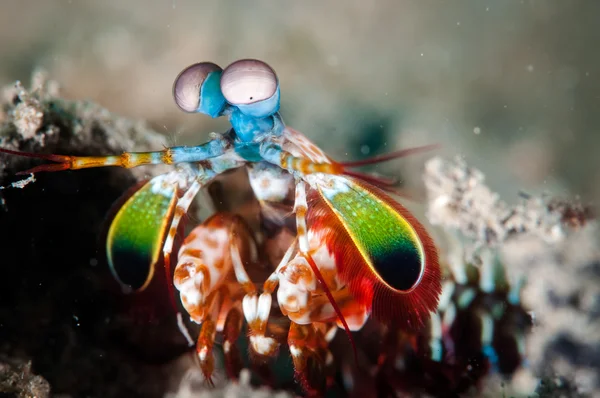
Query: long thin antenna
x=390 y=156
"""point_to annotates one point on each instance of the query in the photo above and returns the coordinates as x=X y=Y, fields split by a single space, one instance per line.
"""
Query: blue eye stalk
x=247 y=91
x=197 y=89
x=252 y=86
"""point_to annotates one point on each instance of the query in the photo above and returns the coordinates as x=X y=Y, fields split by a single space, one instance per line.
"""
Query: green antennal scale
x=137 y=233
x=389 y=243
x=384 y=254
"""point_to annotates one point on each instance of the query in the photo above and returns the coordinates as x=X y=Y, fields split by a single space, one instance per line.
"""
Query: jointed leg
x=306 y=343
x=208 y=331
x=231 y=331
x=181 y=209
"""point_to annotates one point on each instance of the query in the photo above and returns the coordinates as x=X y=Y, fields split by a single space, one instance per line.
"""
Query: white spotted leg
x=181 y=208
x=301 y=209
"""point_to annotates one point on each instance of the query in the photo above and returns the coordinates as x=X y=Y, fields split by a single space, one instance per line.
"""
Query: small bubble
x=93 y=262
x=365 y=149
x=530 y=68
x=477 y=130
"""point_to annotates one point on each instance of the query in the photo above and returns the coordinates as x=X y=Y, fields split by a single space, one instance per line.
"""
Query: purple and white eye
x=248 y=81
x=188 y=84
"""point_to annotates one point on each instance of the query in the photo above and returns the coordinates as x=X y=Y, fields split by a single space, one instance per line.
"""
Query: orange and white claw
x=296 y=282
x=203 y=264
x=263 y=345
x=192 y=280
x=256 y=310
x=301 y=301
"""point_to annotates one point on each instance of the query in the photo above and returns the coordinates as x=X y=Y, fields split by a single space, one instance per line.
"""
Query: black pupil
x=251 y=97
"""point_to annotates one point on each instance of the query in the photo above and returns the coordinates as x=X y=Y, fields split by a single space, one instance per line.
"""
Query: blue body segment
x=247 y=127
x=250 y=129
x=249 y=151
x=212 y=101
x=271 y=153
x=189 y=154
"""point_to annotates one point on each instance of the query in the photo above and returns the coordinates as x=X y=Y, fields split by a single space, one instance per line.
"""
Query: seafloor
x=66 y=330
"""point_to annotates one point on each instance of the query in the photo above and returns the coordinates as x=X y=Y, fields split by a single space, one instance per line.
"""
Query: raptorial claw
x=264 y=346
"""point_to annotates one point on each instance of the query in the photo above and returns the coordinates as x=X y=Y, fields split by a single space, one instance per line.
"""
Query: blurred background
x=514 y=87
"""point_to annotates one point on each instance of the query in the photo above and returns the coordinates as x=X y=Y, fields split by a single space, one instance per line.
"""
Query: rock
x=17 y=379
x=551 y=244
x=61 y=311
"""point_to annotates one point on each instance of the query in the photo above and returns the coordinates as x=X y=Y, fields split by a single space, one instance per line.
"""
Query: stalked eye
x=197 y=89
x=252 y=86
